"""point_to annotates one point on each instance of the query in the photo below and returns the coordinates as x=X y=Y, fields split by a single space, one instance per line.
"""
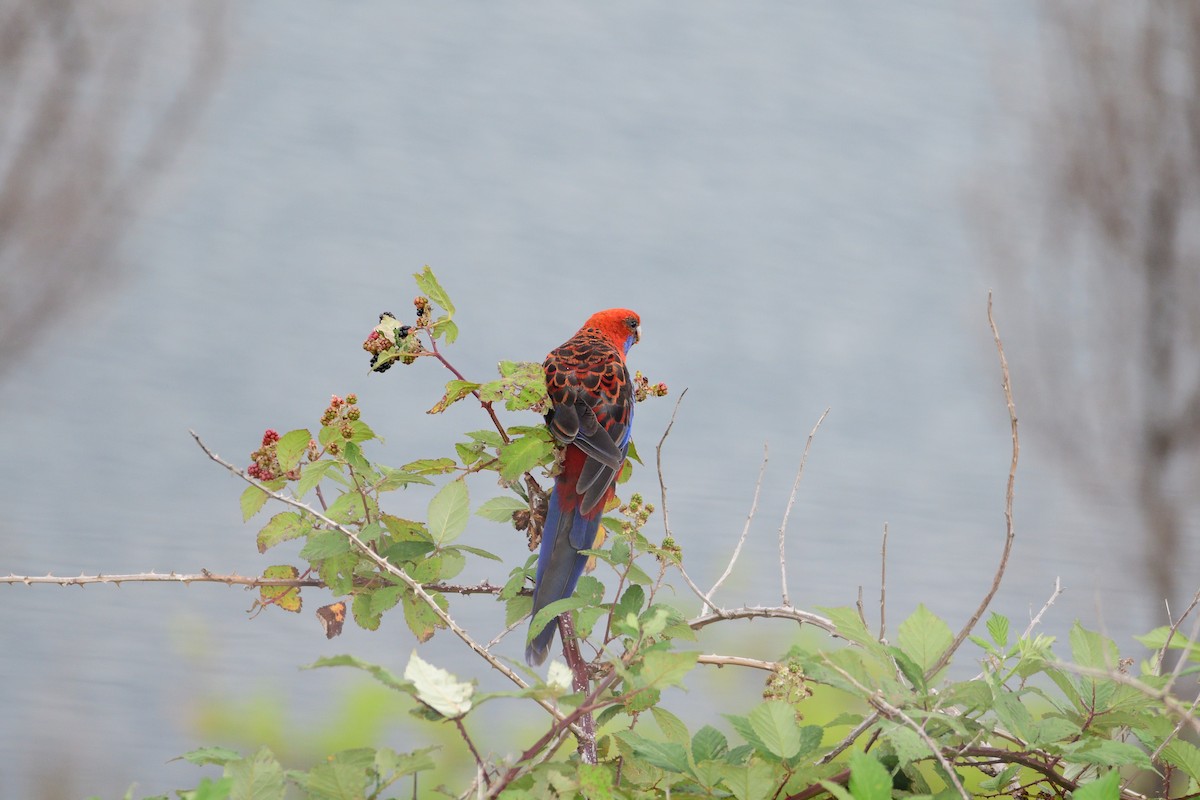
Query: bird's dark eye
x=631 y=323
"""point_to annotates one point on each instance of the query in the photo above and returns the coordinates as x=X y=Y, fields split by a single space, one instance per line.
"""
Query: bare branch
x=741 y=539
x=765 y=612
x=1037 y=618
x=662 y=484
x=944 y=659
x=205 y=576
x=883 y=585
x=792 y=502
x=738 y=661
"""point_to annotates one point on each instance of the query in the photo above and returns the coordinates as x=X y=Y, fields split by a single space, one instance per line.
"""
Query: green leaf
x=997 y=626
x=433 y=290
x=1106 y=752
x=905 y=742
x=291 y=447
x=631 y=602
x=286 y=597
x=544 y=616
x=753 y=781
x=211 y=755
x=455 y=390
x=325 y=544
x=449 y=512
x=453 y=563
x=1012 y=713
x=348 y=508
x=596 y=781
x=1184 y=756
x=402 y=552
x=924 y=637
x=381 y=674
x=661 y=668
x=281 y=527
x=478 y=551
x=669 y=756
x=709 y=744
x=257 y=778
x=364 y=612
x=421 y=619
x=523 y=454
x=439 y=689
x=345 y=777
x=430 y=466
x=389 y=763
x=869 y=780
x=671 y=726
x=1090 y=649
x=501 y=509
x=445 y=327
x=253 y=499
x=397 y=479
x=850 y=626
x=774 y=723
x=517 y=608
x=311 y=475
x=1106 y=788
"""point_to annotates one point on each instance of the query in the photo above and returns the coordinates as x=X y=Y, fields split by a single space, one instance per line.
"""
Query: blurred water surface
x=776 y=188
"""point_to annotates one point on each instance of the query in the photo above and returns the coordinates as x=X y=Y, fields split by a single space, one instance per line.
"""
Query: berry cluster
x=636 y=511
x=340 y=414
x=265 y=466
x=787 y=683
x=389 y=334
x=642 y=388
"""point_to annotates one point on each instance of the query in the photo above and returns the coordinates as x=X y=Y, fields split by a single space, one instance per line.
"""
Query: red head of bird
x=621 y=327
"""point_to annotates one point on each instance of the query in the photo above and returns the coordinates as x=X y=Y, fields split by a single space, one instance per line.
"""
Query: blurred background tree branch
x=99 y=101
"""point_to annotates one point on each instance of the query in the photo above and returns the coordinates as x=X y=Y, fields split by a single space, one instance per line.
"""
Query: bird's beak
x=637 y=334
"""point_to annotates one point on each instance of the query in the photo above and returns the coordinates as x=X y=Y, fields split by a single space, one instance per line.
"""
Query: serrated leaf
x=430 y=466
x=663 y=668
x=311 y=475
x=283 y=526
x=1183 y=755
x=364 y=612
x=1106 y=788
x=851 y=627
x=774 y=723
x=997 y=626
x=501 y=509
x=290 y=448
x=257 y=778
x=398 y=478
x=669 y=756
x=478 y=551
x=325 y=544
x=708 y=744
x=924 y=637
x=348 y=508
x=421 y=619
x=253 y=499
x=517 y=608
x=455 y=390
x=523 y=454
x=433 y=290
x=1090 y=649
x=453 y=563
x=211 y=755
x=869 y=780
x=449 y=512
x=1106 y=752
x=285 y=597
x=344 y=777
x=545 y=615
x=753 y=781
x=671 y=726
x=906 y=744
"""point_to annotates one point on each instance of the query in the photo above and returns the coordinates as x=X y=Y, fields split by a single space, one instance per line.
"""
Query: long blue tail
x=559 y=566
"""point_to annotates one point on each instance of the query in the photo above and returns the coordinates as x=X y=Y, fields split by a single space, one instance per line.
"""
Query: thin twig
x=479 y=763
x=391 y=569
x=662 y=484
x=741 y=539
x=1010 y=534
x=1162 y=654
x=883 y=585
x=788 y=512
x=1033 y=623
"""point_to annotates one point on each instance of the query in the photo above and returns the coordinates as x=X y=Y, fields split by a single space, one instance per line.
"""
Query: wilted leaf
x=438 y=689
x=285 y=597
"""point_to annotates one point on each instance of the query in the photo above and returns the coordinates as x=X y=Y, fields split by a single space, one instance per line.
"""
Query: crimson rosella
x=591 y=415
